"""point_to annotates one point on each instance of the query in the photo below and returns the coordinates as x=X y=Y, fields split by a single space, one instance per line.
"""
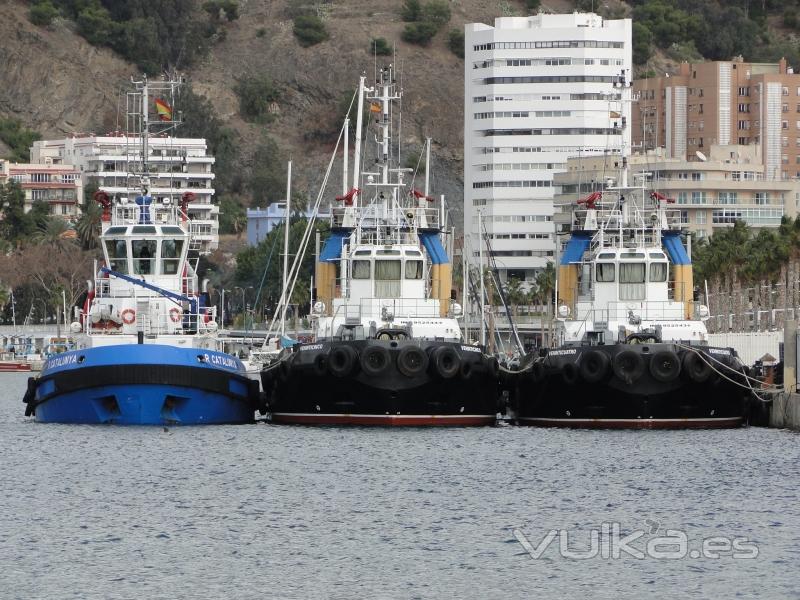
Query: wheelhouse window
x=170 y=256
x=605 y=272
x=117 y=255
x=361 y=269
x=143 y=252
x=658 y=271
x=631 y=279
x=413 y=269
x=387 y=278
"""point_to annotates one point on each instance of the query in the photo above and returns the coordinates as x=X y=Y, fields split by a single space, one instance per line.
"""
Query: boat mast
x=359 y=125
x=286 y=245
x=480 y=275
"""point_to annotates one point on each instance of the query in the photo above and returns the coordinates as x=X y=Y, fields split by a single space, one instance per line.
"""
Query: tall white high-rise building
x=537 y=90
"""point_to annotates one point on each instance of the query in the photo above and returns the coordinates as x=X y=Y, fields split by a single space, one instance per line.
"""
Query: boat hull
x=655 y=386
x=145 y=384
x=303 y=388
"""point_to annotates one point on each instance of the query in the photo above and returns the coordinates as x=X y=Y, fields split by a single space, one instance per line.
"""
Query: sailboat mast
x=286 y=246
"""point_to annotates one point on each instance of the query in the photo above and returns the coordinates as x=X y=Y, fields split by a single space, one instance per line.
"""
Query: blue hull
x=144 y=405
x=143 y=385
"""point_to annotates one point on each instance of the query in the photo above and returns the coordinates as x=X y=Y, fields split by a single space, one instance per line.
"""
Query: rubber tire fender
x=695 y=368
x=446 y=362
x=570 y=374
x=595 y=366
x=412 y=361
x=628 y=366
x=320 y=365
x=342 y=361
x=665 y=366
x=375 y=360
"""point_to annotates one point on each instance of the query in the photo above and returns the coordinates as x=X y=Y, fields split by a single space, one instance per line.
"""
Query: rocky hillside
x=56 y=83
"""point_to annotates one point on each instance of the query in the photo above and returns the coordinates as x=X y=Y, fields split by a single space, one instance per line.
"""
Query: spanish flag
x=164 y=110
x=614 y=114
x=375 y=107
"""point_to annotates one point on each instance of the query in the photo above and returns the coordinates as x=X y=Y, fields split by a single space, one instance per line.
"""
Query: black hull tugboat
x=387 y=346
x=631 y=348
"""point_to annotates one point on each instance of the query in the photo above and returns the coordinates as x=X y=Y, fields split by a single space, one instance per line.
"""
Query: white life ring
x=175 y=314
x=128 y=316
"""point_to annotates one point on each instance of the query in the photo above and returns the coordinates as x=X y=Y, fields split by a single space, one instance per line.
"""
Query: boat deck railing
x=379 y=219
x=381 y=308
x=156 y=213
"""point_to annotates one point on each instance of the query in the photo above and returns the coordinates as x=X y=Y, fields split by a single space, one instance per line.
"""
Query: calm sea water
x=265 y=511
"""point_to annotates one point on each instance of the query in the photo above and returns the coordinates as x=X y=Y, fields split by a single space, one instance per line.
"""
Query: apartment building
x=723 y=103
x=60 y=186
x=176 y=166
x=729 y=185
x=537 y=90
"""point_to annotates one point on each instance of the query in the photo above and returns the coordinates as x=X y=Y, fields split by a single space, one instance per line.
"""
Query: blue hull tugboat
x=147 y=348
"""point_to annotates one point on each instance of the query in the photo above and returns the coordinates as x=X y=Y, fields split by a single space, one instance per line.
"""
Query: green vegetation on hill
x=18 y=138
x=424 y=20
x=154 y=34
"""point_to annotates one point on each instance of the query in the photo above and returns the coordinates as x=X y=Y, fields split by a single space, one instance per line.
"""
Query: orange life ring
x=128 y=316
x=175 y=314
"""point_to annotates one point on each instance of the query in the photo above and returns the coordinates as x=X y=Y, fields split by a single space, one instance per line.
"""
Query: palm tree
x=55 y=232
x=88 y=225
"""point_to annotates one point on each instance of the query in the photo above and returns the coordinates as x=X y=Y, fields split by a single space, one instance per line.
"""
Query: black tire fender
x=628 y=366
x=695 y=368
x=375 y=360
x=412 y=361
x=665 y=366
x=595 y=366
x=446 y=362
x=342 y=361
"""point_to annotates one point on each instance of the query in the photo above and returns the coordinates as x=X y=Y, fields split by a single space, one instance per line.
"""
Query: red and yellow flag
x=375 y=107
x=164 y=110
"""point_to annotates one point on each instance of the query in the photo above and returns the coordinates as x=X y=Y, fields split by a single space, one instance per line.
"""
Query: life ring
x=375 y=360
x=446 y=362
x=695 y=368
x=665 y=366
x=128 y=316
x=595 y=366
x=342 y=361
x=175 y=314
x=628 y=366
x=412 y=361
x=569 y=373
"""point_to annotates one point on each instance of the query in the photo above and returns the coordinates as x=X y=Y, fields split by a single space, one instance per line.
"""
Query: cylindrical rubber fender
x=695 y=368
x=595 y=366
x=375 y=360
x=569 y=373
x=412 y=361
x=467 y=370
x=665 y=366
x=342 y=361
x=628 y=366
x=446 y=362
x=320 y=365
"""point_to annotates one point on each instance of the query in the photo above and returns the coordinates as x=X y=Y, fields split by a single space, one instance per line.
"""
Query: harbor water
x=263 y=511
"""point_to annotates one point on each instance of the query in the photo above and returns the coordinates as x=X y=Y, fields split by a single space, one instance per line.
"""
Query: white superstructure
x=538 y=90
x=176 y=166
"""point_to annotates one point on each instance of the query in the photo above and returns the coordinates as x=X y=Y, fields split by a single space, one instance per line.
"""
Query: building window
x=762 y=198
x=682 y=198
x=700 y=217
x=698 y=176
x=698 y=198
x=727 y=197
